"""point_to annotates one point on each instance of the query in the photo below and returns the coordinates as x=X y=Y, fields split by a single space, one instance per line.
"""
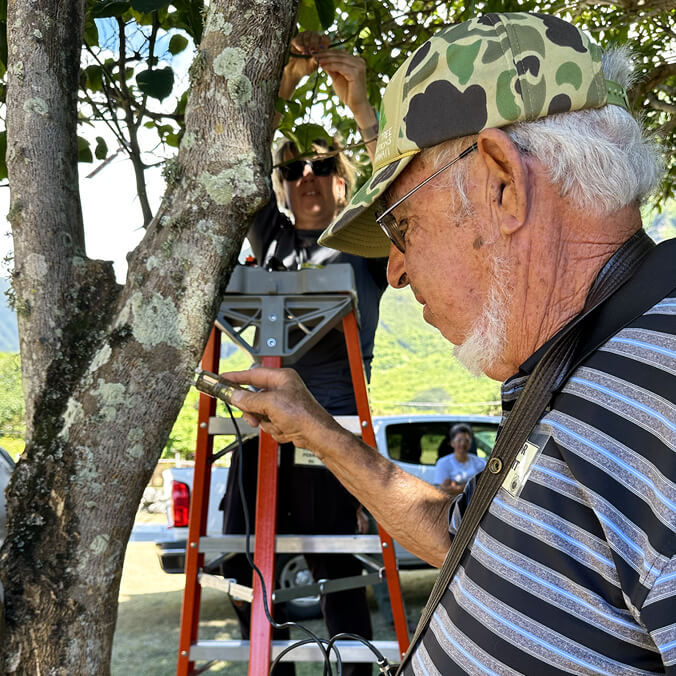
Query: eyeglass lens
x=388 y=222
x=391 y=228
x=294 y=170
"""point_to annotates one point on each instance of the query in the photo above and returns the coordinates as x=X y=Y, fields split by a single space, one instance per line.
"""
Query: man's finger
x=264 y=378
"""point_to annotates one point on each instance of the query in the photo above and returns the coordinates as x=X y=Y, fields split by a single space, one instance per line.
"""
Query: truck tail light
x=180 y=501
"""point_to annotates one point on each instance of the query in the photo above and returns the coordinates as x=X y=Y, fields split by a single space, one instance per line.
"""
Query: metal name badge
x=520 y=469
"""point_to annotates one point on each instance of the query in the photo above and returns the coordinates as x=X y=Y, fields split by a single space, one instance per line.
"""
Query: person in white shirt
x=453 y=471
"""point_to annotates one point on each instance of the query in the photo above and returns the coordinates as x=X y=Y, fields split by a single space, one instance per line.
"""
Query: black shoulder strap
x=654 y=280
x=549 y=375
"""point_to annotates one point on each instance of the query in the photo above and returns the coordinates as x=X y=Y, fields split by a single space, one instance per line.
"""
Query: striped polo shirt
x=573 y=568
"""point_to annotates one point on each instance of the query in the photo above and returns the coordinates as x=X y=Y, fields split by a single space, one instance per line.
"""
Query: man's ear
x=507 y=179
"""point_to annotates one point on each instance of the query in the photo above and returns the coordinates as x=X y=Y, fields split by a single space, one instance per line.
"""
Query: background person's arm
x=348 y=77
x=412 y=511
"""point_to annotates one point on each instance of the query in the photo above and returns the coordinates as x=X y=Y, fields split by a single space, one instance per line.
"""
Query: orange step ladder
x=261 y=312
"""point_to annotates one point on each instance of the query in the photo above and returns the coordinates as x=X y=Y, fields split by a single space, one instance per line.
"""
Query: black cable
x=381 y=661
x=303 y=642
x=328 y=671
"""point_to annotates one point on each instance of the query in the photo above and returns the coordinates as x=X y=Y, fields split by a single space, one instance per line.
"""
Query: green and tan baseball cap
x=487 y=72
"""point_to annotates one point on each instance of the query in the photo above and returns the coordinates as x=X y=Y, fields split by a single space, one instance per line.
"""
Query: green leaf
x=156 y=83
x=172 y=140
x=3 y=48
x=181 y=104
x=189 y=16
x=3 y=152
x=108 y=8
x=93 y=78
x=308 y=17
x=290 y=134
x=91 y=32
x=84 y=154
x=326 y=11
x=147 y=6
x=306 y=134
x=101 y=150
x=177 y=44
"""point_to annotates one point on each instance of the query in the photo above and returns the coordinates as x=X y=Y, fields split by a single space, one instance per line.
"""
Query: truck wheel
x=293 y=572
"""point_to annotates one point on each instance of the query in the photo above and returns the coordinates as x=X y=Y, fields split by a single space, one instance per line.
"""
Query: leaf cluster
x=385 y=32
x=133 y=77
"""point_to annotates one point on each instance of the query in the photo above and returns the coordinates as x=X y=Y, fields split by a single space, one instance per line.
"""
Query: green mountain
x=414 y=369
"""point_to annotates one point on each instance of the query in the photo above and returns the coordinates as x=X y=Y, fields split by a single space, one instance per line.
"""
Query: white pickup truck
x=6 y=467
x=412 y=442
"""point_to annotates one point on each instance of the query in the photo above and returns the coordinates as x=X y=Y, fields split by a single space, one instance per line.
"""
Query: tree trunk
x=106 y=369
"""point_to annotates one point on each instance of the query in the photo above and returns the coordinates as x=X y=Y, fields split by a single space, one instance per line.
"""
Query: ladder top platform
x=255 y=281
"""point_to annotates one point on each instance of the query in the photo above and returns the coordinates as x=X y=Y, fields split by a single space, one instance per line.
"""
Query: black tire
x=292 y=571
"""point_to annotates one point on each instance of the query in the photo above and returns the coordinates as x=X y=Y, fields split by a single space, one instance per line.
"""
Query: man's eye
x=403 y=226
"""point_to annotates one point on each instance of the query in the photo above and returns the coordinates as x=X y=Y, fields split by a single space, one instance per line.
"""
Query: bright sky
x=112 y=215
x=111 y=212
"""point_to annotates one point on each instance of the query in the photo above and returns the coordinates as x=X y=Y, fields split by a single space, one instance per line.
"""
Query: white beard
x=485 y=342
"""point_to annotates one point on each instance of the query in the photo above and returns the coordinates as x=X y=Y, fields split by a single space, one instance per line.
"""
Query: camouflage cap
x=487 y=72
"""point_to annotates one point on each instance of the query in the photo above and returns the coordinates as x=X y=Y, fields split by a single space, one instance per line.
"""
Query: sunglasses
x=294 y=170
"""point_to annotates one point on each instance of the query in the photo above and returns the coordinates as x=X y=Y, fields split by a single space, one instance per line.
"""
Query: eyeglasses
x=294 y=170
x=388 y=222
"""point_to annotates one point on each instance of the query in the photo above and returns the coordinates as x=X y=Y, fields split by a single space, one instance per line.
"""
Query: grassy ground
x=146 y=638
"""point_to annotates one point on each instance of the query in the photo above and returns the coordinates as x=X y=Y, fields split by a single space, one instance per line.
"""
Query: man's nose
x=396 y=270
x=307 y=169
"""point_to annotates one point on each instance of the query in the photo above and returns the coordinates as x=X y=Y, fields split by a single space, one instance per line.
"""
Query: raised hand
x=301 y=59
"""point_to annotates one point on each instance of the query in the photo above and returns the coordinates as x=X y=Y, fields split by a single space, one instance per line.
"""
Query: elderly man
x=572 y=568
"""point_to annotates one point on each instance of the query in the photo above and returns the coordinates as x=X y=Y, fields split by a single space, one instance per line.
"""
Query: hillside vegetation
x=414 y=369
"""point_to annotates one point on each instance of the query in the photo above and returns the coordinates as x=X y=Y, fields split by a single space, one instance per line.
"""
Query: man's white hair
x=600 y=158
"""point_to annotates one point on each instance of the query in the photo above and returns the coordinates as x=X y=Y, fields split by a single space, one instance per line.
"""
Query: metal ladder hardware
x=277 y=317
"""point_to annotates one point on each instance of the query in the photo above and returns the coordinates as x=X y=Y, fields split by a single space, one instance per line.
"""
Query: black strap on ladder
x=548 y=377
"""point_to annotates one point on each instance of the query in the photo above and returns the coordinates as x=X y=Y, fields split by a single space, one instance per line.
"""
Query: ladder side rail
x=368 y=435
x=264 y=552
x=199 y=506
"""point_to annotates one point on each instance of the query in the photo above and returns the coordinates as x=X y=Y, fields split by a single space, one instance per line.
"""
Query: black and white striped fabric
x=573 y=568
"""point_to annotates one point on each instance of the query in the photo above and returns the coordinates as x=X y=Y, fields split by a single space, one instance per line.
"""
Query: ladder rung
x=226 y=585
x=219 y=425
x=326 y=587
x=296 y=544
x=238 y=651
x=350 y=422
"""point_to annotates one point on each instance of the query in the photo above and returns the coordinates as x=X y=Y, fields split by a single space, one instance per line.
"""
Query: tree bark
x=107 y=369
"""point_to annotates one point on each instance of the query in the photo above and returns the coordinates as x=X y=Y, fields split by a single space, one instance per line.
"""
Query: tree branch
x=134 y=149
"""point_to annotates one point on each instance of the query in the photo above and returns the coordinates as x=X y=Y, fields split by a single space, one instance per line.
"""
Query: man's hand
x=294 y=414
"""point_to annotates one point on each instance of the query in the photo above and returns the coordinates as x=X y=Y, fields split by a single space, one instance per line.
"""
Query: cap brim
x=355 y=229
